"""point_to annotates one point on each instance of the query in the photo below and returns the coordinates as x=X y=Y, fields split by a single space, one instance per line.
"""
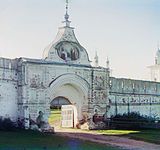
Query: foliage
x=132 y=120
x=6 y=124
x=133 y=116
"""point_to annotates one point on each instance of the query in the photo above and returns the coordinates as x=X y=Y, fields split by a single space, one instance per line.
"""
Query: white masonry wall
x=8 y=89
x=37 y=77
x=128 y=95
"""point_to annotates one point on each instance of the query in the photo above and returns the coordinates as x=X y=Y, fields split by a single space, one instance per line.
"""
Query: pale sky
x=126 y=31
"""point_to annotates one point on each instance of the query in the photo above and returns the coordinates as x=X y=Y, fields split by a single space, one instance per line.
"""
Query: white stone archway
x=74 y=88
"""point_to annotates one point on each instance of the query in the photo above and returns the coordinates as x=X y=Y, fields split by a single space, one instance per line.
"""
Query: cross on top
x=67 y=5
x=66 y=15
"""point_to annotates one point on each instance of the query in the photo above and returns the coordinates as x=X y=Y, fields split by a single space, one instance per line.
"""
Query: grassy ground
x=152 y=136
x=29 y=140
x=55 y=117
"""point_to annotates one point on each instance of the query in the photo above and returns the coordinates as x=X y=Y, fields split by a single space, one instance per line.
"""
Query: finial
x=66 y=16
x=96 y=60
x=107 y=63
x=157 y=58
x=158 y=45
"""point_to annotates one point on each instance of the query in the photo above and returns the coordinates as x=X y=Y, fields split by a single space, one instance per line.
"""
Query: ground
x=29 y=140
x=123 y=141
x=75 y=139
x=55 y=117
x=152 y=136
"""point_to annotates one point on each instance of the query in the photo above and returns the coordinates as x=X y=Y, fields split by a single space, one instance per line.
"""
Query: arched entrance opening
x=72 y=91
x=58 y=102
x=56 y=106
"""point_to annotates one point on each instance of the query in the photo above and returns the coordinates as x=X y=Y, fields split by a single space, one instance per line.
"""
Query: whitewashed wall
x=8 y=89
x=38 y=76
x=128 y=95
x=88 y=88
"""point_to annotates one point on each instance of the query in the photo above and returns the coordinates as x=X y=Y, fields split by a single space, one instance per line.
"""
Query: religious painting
x=68 y=51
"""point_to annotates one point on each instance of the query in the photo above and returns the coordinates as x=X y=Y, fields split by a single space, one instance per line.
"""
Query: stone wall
x=128 y=95
x=100 y=90
x=99 y=97
x=8 y=88
x=37 y=78
x=86 y=87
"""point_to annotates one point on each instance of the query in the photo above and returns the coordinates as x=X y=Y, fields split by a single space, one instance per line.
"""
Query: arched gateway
x=29 y=85
x=75 y=89
x=65 y=71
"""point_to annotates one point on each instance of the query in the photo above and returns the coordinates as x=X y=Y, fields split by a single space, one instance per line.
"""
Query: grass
x=117 y=132
x=152 y=136
x=29 y=140
x=55 y=117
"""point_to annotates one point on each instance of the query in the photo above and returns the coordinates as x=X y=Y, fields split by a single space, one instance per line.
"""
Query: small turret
x=96 y=60
x=107 y=63
x=157 y=58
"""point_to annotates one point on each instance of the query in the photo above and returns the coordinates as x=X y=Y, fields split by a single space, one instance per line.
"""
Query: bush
x=133 y=116
x=131 y=120
x=6 y=124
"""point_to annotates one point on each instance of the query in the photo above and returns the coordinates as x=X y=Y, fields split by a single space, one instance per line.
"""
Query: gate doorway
x=62 y=113
x=68 y=116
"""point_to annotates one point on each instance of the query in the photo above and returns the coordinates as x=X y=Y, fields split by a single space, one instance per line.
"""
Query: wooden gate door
x=67 y=113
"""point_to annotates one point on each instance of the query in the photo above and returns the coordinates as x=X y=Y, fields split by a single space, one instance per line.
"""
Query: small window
x=9 y=65
x=133 y=86
x=110 y=83
x=155 y=88
x=144 y=88
x=122 y=84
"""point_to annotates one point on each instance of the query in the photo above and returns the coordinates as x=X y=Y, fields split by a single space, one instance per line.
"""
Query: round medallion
x=68 y=51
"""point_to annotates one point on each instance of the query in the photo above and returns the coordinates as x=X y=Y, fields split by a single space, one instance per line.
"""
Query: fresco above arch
x=68 y=51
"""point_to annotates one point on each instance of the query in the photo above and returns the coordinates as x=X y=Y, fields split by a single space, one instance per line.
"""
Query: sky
x=125 y=31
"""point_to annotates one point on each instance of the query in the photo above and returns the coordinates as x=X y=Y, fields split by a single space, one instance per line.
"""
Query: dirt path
x=124 y=143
